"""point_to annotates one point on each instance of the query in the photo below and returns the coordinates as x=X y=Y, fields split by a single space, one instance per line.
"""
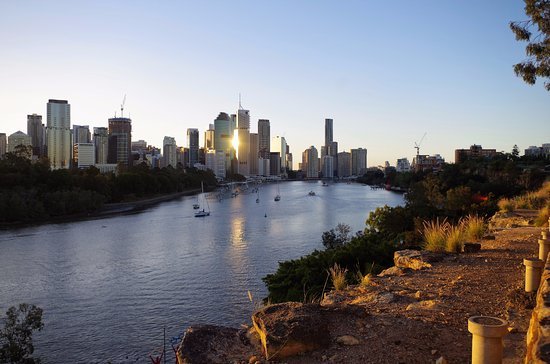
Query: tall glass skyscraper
x=59 y=133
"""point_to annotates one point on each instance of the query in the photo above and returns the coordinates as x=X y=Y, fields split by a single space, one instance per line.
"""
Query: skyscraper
x=264 y=138
x=328 y=132
x=344 y=164
x=253 y=154
x=81 y=134
x=358 y=162
x=169 y=151
x=331 y=148
x=209 y=138
x=223 y=137
x=193 y=146
x=101 y=144
x=37 y=132
x=243 y=136
x=59 y=133
x=310 y=162
x=20 y=139
x=278 y=144
x=120 y=141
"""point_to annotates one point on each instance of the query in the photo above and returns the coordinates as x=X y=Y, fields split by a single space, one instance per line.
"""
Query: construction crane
x=417 y=145
x=122 y=106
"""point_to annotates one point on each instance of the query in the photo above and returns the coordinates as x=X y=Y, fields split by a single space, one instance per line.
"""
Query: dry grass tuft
x=434 y=233
x=505 y=205
x=338 y=277
x=454 y=239
x=474 y=227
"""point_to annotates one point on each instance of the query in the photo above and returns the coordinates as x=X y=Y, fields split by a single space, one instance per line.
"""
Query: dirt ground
x=423 y=315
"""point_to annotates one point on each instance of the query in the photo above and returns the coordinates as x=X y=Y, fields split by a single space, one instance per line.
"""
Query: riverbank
x=403 y=315
x=107 y=210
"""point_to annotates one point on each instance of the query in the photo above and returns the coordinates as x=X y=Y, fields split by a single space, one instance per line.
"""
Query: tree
x=16 y=336
x=515 y=151
x=336 y=237
x=536 y=32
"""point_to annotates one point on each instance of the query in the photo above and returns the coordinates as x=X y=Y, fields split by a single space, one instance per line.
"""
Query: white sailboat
x=203 y=212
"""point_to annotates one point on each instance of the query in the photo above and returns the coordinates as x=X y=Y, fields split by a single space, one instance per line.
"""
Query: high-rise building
x=169 y=151
x=329 y=137
x=215 y=161
x=59 y=133
x=332 y=150
x=253 y=159
x=193 y=146
x=209 y=138
x=358 y=162
x=331 y=147
x=81 y=134
x=37 y=132
x=101 y=145
x=120 y=141
x=20 y=139
x=328 y=166
x=344 y=164
x=223 y=137
x=403 y=165
x=3 y=145
x=243 y=137
x=274 y=164
x=278 y=145
x=83 y=155
x=264 y=138
x=310 y=162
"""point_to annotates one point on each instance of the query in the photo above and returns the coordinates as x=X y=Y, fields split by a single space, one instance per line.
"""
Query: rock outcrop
x=411 y=259
x=291 y=328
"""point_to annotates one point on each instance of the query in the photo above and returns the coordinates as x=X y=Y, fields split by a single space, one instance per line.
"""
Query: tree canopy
x=536 y=32
x=16 y=337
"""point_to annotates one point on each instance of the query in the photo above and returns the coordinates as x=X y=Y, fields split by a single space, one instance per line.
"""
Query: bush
x=474 y=227
x=435 y=235
x=454 y=239
x=506 y=205
x=338 y=277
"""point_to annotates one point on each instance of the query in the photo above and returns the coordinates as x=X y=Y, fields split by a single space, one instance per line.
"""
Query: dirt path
x=423 y=315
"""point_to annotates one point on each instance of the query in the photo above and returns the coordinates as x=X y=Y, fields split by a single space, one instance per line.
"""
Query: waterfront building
x=58 y=129
x=215 y=161
x=475 y=152
x=289 y=166
x=264 y=167
x=329 y=137
x=254 y=154
x=139 y=145
x=84 y=155
x=81 y=134
x=101 y=144
x=274 y=164
x=264 y=138
x=278 y=145
x=169 y=151
x=223 y=137
x=37 y=132
x=542 y=151
x=120 y=142
x=20 y=139
x=3 y=145
x=193 y=146
x=209 y=138
x=310 y=162
x=428 y=162
x=344 y=164
x=358 y=162
x=328 y=166
x=403 y=165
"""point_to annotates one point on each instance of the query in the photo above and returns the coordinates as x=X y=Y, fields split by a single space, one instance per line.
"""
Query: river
x=110 y=286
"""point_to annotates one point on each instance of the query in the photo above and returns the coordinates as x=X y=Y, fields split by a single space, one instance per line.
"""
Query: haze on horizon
x=385 y=72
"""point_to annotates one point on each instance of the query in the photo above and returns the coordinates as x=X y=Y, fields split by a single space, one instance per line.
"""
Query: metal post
x=164 y=345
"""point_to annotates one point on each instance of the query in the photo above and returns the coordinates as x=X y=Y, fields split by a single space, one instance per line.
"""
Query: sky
x=386 y=72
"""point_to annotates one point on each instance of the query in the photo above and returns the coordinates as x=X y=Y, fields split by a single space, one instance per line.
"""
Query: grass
x=474 y=227
x=542 y=217
x=338 y=277
x=434 y=233
x=506 y=205
x=531 y=200
x=454 y=238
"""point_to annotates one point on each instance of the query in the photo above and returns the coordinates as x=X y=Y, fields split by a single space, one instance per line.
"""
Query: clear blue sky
x=386 y=72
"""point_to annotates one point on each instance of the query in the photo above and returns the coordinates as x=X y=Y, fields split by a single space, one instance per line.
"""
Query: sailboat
x=203 y=212
x=278 y=196
x=257 y=196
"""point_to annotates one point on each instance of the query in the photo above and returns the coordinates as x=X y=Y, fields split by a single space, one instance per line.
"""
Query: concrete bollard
x=533 y=272
x=544 y=234
x=487 y=333
x=544 y=247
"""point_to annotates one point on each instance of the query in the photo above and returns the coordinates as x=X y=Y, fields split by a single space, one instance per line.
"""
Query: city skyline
x=445 y=70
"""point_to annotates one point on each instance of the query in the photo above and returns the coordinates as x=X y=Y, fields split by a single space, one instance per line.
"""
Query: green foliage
x=536 y=32
x=336 y=237
x=305 y=277
x=16 y=337
x=389 y=222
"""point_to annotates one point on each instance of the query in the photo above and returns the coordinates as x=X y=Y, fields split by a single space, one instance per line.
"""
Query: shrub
x=435 y=235
x=543 y=215
x=505 y=205
x=338 y=277
x=474 y=227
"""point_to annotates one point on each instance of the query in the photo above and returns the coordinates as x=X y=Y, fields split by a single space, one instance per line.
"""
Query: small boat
x=196 y=206
x=278 y=196
x=203 y=212
x=311 y=193
x=325 y=184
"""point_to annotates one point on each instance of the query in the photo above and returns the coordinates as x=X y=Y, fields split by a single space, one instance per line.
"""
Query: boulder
x=472 y=247
x=291 y=328
x=410 y=259
x=347 y=340
x=392 y=271
x=214 y=344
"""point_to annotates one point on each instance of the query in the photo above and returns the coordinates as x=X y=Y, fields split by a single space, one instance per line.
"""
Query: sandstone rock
x=472 y=247
x=384 y=298
x=291 y=328
x=392 y=271
x=410 y=259
x=347 y=340
x=441 y=360
x=214 y=344
x=418 y=295
x=423 y=305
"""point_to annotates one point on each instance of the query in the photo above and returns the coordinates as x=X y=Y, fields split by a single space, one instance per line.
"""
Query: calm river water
x=108 y=287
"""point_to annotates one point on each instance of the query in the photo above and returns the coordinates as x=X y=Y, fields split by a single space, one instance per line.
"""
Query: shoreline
x=107 y=210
